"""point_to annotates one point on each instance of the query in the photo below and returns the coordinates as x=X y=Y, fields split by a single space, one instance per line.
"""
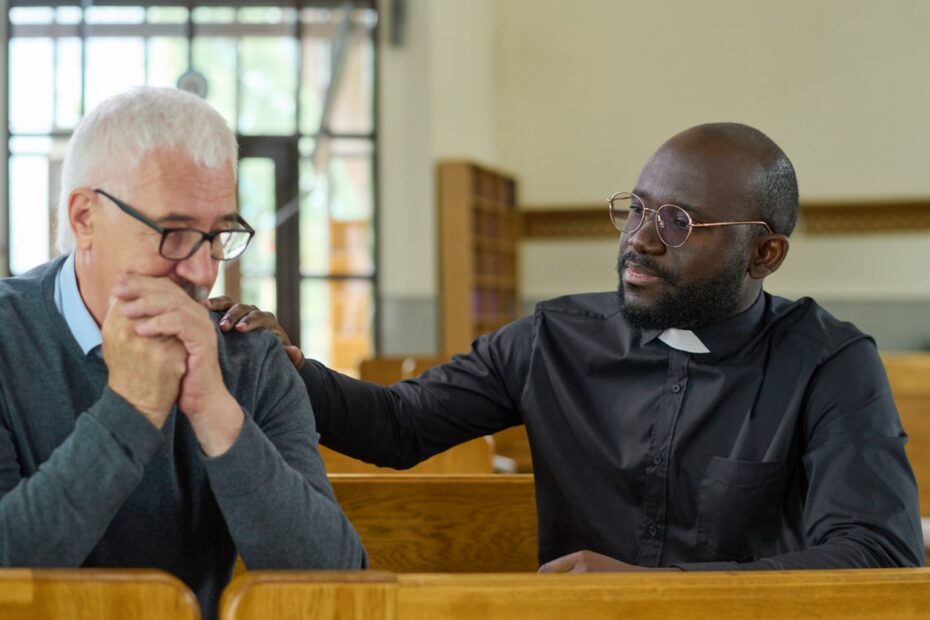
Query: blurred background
x=343 y=110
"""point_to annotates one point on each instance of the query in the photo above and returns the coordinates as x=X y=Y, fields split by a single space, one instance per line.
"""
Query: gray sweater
x=86 y=480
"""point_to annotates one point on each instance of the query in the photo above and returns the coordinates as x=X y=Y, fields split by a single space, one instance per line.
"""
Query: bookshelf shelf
x=479 y=231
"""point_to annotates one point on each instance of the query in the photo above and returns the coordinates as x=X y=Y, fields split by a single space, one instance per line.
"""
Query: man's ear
x=82 y=215
x=768 y=253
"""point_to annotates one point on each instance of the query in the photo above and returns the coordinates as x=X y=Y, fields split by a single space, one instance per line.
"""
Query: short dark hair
x=778 y=196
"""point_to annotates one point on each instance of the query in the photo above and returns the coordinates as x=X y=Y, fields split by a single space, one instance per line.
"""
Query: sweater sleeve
x=271 y=485
x=56 y=516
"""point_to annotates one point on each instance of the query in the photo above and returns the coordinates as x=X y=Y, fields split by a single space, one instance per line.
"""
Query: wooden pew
x=318 y=595
x=443 y=523
x=127 y=594
x=473 y=457
x=909 y=376
x=873 y=594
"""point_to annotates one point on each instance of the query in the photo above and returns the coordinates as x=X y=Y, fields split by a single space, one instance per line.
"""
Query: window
x=296 y=83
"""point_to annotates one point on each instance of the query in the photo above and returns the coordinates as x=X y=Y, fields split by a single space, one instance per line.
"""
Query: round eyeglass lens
x=673 y=225
x=626 y=212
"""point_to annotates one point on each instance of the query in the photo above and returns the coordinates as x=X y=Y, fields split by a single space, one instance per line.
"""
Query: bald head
x=766 y=182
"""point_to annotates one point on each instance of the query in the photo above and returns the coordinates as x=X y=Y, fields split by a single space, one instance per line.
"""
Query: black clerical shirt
x=780 y=448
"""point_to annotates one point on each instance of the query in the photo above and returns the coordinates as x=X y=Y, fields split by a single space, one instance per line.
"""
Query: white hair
x=112 y=140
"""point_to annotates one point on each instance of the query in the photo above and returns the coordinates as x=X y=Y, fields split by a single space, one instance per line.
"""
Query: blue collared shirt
x=69 y=302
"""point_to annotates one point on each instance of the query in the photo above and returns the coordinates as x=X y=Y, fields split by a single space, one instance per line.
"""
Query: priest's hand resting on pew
x=245 y=318
x=591 y=562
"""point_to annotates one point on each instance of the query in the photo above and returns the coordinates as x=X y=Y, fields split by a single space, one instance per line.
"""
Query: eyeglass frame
x=655 y=217
x=165 y=231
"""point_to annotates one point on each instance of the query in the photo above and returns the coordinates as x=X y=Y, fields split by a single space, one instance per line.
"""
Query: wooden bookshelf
x=478 y=234
x=479 y=231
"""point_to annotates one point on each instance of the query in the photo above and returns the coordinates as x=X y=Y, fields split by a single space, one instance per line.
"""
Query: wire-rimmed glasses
x=673 y=224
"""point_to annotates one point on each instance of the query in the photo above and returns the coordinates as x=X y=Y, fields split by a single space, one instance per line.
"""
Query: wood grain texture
x=273 y=595
x=443 y=523
x=899 y=594
x=878 y=594
x=85 y=594
x=909 y=376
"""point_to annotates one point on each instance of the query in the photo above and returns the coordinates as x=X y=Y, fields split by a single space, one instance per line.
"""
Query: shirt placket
x=655 y=496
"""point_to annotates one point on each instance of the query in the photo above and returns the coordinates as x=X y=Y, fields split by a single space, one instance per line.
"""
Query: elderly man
x=688 y=421
x=132 y=433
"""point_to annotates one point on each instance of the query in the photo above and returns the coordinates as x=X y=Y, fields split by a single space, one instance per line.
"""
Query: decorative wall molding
x=817 y=218
x=892 y=216
x=566 y=222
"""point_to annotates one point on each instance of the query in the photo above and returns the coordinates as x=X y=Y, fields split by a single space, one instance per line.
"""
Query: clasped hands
x=160 y=348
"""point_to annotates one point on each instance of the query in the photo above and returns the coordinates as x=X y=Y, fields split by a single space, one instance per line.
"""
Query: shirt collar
x=719 y=340
x=731 y=335
x=70 y=304
x=683 y=340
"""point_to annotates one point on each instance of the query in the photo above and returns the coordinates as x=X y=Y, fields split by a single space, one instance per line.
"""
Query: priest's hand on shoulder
x=245 y=318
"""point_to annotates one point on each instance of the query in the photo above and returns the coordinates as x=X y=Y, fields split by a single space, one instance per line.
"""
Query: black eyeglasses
x=673 y=224
x=181 y=243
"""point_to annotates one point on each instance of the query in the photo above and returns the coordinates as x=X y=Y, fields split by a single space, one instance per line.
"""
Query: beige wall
x=436 y=101
x=573 y=96
x=3 y=137
x=587 y=89
x=855 y=267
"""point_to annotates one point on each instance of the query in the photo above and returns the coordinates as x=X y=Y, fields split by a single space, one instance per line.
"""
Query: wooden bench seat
x=66 y=594
x=874 y=594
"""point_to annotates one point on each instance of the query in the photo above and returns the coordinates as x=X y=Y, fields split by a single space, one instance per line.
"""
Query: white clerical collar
x=683 y=340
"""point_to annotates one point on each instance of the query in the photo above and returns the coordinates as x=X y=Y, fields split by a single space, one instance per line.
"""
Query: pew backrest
x=909 y=376
x=127 y=594
x=443 y=523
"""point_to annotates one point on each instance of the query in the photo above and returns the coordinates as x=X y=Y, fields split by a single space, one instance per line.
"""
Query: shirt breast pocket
x=739 y=507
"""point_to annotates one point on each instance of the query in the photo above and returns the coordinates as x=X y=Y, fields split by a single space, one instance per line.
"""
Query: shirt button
x=653 y=530
x=657 y=459
x=676 y=388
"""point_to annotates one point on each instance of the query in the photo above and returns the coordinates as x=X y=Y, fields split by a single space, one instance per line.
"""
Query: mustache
x=197 y=293
x=646 y=263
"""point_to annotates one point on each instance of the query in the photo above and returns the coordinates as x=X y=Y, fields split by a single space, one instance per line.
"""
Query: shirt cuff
x=246 y=466
x=139 y=437
x=707 y=566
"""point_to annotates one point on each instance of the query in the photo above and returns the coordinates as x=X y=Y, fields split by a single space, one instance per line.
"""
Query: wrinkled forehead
x=722 y=182
x=171 y=182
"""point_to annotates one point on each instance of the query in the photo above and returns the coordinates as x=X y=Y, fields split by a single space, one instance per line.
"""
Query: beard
x=197 y=293
x=689 y=304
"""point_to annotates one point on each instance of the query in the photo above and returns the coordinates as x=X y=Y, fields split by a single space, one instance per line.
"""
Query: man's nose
x=646 y=238
x=199 y=268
